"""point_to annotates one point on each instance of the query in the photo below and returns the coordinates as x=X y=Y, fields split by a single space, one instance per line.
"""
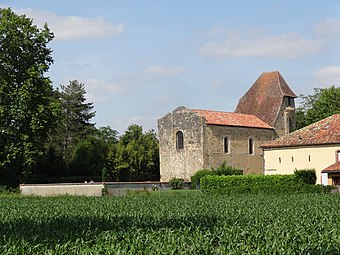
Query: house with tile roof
x=316 y=146
x=331 y=175
x=191 y=139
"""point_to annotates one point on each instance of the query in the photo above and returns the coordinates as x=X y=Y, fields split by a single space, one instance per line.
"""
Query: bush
x=307 y=176
x=4 y=190
x=176 y=183
x=196 y=178
x=223 y=169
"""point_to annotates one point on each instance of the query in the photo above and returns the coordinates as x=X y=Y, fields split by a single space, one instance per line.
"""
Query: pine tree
x=76 y=123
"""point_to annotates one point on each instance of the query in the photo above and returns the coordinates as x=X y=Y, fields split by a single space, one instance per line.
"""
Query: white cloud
x=327 y=76
x=98 y=91
x=217 y=83
x=328 y=27
x=164 y=70
x=283 y=46
x=73 y=27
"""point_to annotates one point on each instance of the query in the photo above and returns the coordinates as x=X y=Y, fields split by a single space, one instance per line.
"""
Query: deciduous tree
x=322 y=104
x=135 y=157
x=27 y=111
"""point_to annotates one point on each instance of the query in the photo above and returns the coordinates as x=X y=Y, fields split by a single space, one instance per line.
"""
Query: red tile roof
x=232 y=119
x=326 y=131
x=265 y=97
x=332 y=168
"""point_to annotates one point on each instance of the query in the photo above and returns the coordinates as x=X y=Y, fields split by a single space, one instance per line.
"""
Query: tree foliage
x=47 y=134
x=27 y=110
x=135 y=157
x=322 y=104
x=77 y=114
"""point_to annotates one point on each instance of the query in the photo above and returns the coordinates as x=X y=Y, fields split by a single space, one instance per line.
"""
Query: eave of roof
x=323 y=132
x=232 y=119
x=332 y=168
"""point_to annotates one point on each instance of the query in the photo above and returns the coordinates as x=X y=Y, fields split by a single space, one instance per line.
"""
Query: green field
x=171 y=223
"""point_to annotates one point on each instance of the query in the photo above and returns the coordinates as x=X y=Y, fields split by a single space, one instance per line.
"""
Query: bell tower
x=289 y=114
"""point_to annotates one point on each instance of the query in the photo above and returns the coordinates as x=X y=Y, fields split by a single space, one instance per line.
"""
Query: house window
x=250 y=146
x=226 y=144
x=309 y=158
x=179 y=140
x=337 y=156
x=292 y=159
x=280 y=160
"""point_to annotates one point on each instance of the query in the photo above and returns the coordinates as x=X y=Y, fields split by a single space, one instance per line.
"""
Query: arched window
x=226 y=144
x=251 y=146
x=179 y=140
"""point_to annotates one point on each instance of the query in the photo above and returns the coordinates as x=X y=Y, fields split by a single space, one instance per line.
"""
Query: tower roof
x=265 y=96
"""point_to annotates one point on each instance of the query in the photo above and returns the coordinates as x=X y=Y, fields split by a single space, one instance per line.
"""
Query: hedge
x=258 y=184
x=299 y=188
x=223 y=169
x=196 y=178
x=253 y=180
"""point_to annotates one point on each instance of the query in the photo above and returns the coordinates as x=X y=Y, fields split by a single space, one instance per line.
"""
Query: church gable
x=180 y=143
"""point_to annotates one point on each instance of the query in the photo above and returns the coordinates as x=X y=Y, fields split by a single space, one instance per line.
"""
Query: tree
x=77 y=114
x=89 y=157
x=135 y=157
x=107 y=134
x=322 y=104
x=27 y=110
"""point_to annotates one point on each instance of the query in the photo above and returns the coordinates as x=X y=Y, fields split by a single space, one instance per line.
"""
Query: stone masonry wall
x=286 y=112
x=180 y=163
x=238 y=155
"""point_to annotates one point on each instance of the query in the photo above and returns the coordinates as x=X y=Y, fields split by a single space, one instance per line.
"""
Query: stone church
x=191 y=139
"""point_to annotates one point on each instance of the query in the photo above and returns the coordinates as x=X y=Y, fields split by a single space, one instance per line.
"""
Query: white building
x=316 y=146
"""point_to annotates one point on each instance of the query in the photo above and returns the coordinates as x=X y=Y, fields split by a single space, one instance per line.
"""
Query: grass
x=171 y=222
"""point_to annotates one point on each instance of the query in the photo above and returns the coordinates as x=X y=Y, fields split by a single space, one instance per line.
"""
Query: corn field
x=171 y=223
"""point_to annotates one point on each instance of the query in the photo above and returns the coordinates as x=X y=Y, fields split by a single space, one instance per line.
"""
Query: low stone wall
x=83 y=189
x=92 y=189
x=122 y=188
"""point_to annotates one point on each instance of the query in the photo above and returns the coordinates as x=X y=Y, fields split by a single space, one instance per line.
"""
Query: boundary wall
x=92 y=189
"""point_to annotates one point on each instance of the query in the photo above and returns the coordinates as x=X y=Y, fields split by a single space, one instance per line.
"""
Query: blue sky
x=141 y=59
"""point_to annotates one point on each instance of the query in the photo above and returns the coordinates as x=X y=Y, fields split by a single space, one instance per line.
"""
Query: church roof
x=326 y=131
x=232 y=119
x=332 y=168
x=265 y=97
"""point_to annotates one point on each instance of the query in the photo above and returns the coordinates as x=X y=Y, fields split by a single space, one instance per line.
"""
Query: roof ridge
x=279 y=82
x=248 y=114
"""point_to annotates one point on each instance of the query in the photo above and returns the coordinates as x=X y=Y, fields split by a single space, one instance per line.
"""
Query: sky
x=141 y=59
